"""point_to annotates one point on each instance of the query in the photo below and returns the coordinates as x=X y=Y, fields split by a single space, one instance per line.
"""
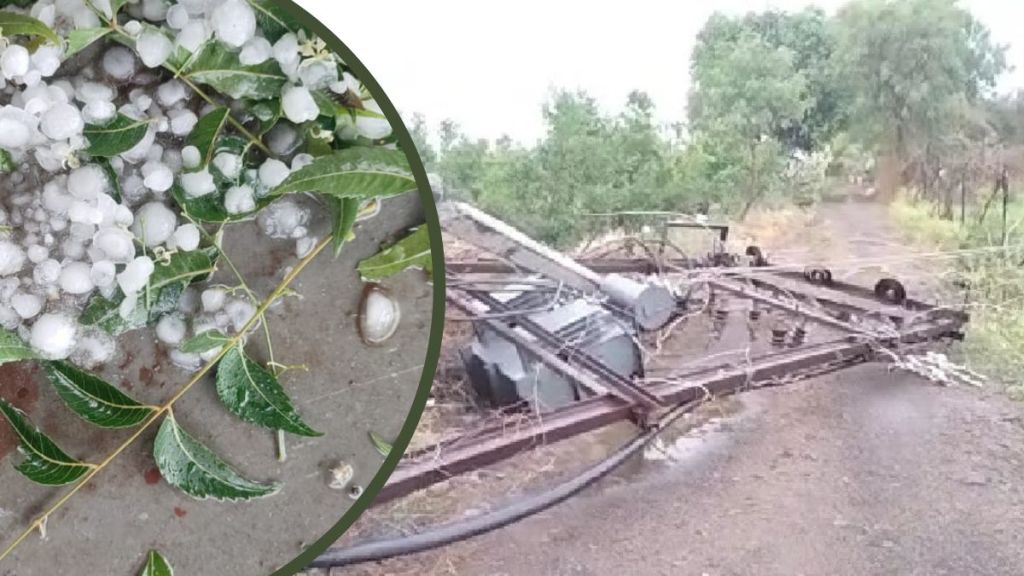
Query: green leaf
x=79 y=39
x=204 y=341
x=104 y=313
x=207 y=131
x=382 y=445
x=115 y=182
x=345 y=212
x=157 y=565
x=181 y=267
x=12 y=24
x=118 y=136
x=44 y=463
x=190 y=466
x=12 y=348
x=7 y=164
x=268 y=112
x=253 y=394
x=274 y=19
x=219 y=68
x=93 y=399
x=210 y=207
x=413 y=251
x=357 y=172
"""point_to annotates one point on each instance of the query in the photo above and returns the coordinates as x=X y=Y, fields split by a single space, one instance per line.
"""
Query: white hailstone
x=282 y=218
x=154 y=223
x=190 y=157
x=87 y=182
x=186 y=237
x=46 y=272
x=46 y=59
x=158 y=177
x=234 y=22
x=83 y=18
x=189 y=301
x=62 y=121
x=135 y=275
x=371 y=127
x=99 y=111
x=286 y=51
x=316 y=73
x=239 y=200
x=182 y=122
x=14 y=61
x=132 y=28
x=119 y=62
x=171 y=329
x=305 y=245
x=153 y=47
x=94 y=348
x=140 y=98
x=8 y=286
x=230 y=165
x=256 y=51
x=108 y=209
x=127 y=306
x=193 y=35
x=298 y=104
x=73 y=250
x=53 y=336
x=185 y=360
x=82 y=212
x=80 y=232
x=282 y=139
x=239 y=312
x=27 y=305
x=123 y=215
x=16 y=127
x=37 y=254
x=154 y=10
x=12 y=258
x=75 y=279
x=177 y=16
x=46 y=13
x=116 y=243
x=273 y=172
x=138 y=152
x=196 y=184
x=213 y=300
x=102 y=273
x=88 y=91
x=170 y=93
x=300 y=161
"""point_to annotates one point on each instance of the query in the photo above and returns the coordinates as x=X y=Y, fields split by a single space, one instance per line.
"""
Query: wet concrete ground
x=349 y=390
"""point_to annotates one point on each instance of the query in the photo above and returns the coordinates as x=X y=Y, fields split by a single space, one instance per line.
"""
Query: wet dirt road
x=864 y=472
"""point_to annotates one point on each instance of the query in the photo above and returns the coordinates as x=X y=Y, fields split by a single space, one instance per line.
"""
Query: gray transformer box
x=504 y=375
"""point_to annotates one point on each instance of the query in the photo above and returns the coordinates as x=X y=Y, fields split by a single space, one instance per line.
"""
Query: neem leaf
x=115 y=182
x=180 y=267
x=190 y=466
x=104 y=313
x=210 y=207
x=206 y=132
x=12 y=24
x=6 y=162
x=204 y=341
x=273 y=19
x=79 y=39
x=357 y=172
x=413 y=251
x=156 y=565
x=253 y=393
x=44 y=462
x=93 y=399
x=345 y=212
x=218 y=67
x=118 y=136
x=12 y=348
x=382 y=445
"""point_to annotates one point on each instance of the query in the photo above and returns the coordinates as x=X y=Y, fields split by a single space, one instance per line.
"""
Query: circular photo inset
x=216 y=292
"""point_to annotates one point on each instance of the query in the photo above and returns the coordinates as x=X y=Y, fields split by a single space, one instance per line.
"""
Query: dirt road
x=864 y=472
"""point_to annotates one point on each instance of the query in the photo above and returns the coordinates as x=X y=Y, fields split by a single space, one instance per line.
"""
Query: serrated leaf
x=95 y=400
x=188 y=465
x=382 y=445
x=45 y=462
x=157 y=565
x=6 y=162
x=274 y=19
x=204 y=341
x=12 y=348
x=253 y=393
x=181 y=267
x=13 y=24
x=115 y=182
x=268 y=112
x=104 y=313
x=119 y=135
x=219 y=68
x=413 y=251
x=207 y=131
x=357 y=172
x=345 y=211
x=80 y=39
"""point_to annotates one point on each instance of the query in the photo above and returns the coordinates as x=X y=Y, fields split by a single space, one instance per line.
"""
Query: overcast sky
x=490 y=65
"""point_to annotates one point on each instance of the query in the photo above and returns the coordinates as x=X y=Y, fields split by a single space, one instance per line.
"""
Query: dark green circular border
x=437 y=315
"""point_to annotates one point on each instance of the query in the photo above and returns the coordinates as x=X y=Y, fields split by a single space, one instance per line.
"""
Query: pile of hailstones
x=65 y=238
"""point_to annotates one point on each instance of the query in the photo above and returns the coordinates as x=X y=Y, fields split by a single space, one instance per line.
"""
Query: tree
x=420 y=133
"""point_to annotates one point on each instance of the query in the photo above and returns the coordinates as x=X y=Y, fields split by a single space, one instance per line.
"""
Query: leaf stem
x=166 y=406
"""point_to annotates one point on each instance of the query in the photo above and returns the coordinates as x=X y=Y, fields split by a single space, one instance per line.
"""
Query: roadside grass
x=994 y=345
